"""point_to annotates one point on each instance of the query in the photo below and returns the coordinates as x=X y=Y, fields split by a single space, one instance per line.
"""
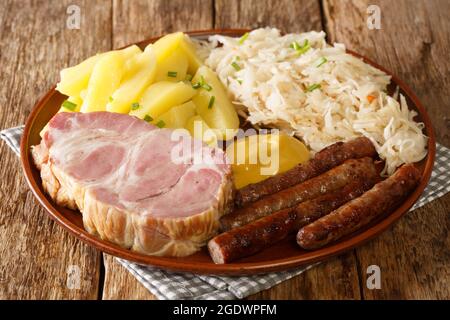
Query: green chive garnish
x=202 y=84
x=148 y=118
x=160 y=124
x=172 y=74
x=301 y=49
x=321 y=61
x=135 y=106
x=69 y=105
x=235 y=66
x=110 y=99
x=239 y=81
x=188 y=77
x=211 y=102
x=243 y=38
x=313 y=87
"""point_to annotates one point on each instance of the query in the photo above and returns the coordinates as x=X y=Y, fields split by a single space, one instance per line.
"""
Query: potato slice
x=199 y=129
x=105 y=79
x=76 y=78
x=193 y=59
x=161 y=96
x=166 y=45
x=177 y=116
x=214 y=106
x=173 y=68
x=133 y=86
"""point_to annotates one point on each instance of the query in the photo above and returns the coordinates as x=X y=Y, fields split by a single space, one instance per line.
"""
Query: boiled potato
x=165 y=46
x=256 y=158
x=214 y=106
x=105 y=79
x=177 y=116
x=173 y=68
x=75 y=79
x=161 y=96
x=193 y=59
x=142 y=70
x=199 y=129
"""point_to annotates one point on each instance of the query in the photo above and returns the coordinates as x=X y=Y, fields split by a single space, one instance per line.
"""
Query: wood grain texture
x=336 y=278
x=35 y=44
x=137 y=20
x=121 y=284
x=414 y=256
x=286 y=15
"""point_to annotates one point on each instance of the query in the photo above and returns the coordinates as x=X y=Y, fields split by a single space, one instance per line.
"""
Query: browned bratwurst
x=382 y=198
x=334 y=179
x=260 y=234
x=324 y=160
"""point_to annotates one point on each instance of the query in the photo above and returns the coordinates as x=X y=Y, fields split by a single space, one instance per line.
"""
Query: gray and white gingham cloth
x=171 y=285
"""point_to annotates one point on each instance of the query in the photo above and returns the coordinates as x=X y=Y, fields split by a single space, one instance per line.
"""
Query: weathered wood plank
x=414 y=255
x=338 y=277
x=35 y=44
x=136 y=21
x=121 y=284
x=286 y=15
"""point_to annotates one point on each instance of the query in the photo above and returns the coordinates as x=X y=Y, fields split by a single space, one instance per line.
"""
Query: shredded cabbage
x=273 y=83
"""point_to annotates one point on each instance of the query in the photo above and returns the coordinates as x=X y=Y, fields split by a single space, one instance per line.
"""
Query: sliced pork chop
x=121 y=173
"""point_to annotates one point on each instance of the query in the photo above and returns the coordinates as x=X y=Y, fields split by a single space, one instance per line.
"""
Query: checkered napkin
x=170 y=285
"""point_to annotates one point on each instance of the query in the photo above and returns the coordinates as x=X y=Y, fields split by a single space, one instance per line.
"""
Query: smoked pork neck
x=118 y=171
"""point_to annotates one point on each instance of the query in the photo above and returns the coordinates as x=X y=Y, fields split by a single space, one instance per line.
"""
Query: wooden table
x=36 y=253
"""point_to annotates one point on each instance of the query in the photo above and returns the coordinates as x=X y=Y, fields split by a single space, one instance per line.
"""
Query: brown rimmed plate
x=283 y=255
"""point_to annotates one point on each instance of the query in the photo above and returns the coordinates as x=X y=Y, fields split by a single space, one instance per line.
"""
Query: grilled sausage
x=323 y=161
x=383 y=197
x=260 y=234
x=329 y=181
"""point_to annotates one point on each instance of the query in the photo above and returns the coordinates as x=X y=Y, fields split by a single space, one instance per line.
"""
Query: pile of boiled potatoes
x=166 y=85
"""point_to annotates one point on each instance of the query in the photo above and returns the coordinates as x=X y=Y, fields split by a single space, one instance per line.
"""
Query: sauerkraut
x=320 y=93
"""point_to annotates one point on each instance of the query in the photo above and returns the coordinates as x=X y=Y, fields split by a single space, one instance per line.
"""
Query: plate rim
x=243 y=268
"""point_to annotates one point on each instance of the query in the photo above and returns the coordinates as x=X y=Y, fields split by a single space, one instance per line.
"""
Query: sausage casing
x=382 y=198
x=334 y=179
x=260 y=234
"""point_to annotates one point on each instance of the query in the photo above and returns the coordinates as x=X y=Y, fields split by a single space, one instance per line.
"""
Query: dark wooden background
x=35 y=253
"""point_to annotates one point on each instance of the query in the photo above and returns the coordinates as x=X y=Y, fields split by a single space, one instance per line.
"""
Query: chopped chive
x=148 y=118
x=135 y=106
x=69 y=105
x=243 y=38
x=294 y=45
x=110 y=99
x=239 y=81
x=313 y=87
x=188 y=77
x=211 y=102
x=235 y=66
x=172 y=74
x=321 y=61
x=207 y=87
x=301 y=49
x=204 y=85
x=196 y=85
x=160 y=124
